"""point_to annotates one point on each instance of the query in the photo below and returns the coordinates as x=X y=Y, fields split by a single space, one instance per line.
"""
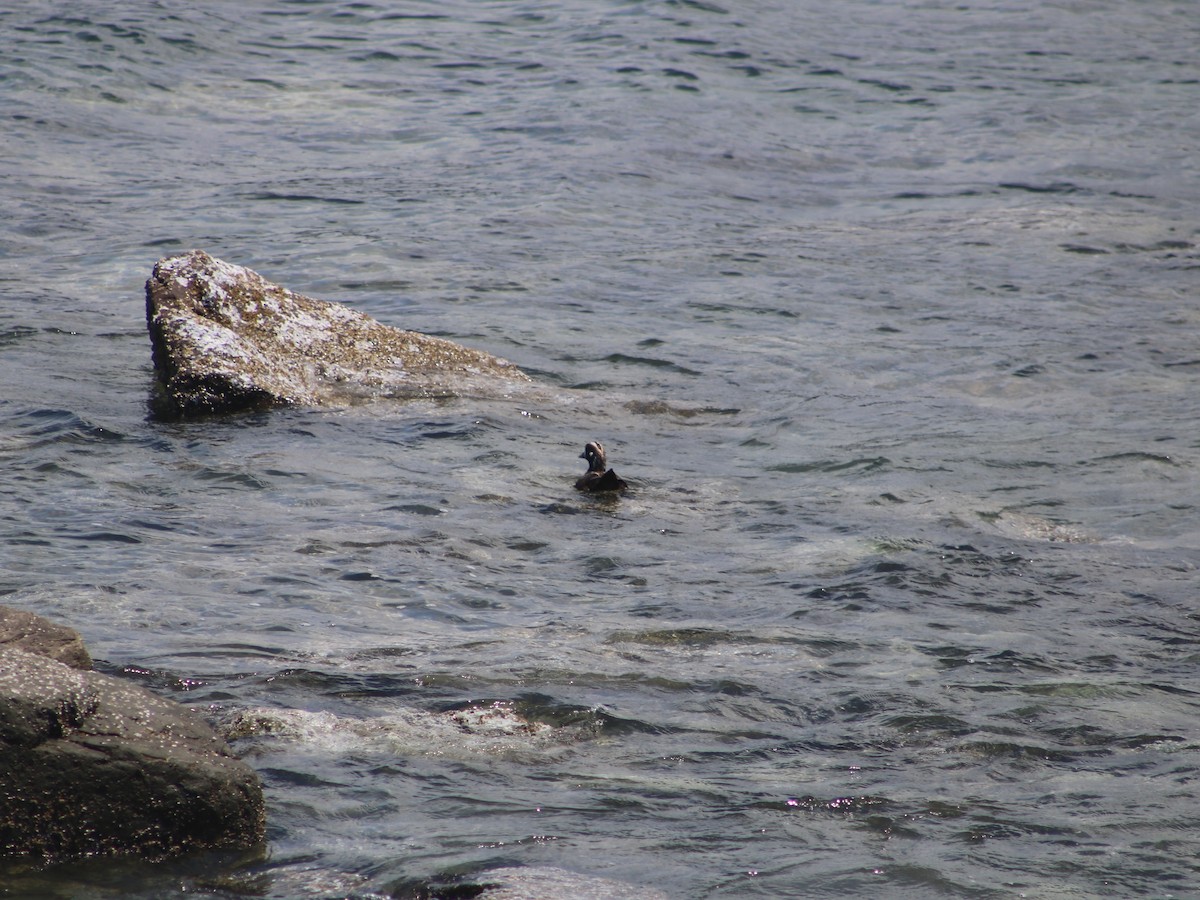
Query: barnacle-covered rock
x=225 y=339
x=92 y=765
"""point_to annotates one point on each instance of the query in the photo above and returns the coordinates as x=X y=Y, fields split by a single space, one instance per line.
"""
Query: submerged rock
x=93 y=765
x=535 y=883
x=224 y=339
x=477 y=732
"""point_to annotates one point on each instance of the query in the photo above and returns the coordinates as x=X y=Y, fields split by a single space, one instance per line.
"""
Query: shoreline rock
x=92 y=765
x=33 y=634
x=226 y=339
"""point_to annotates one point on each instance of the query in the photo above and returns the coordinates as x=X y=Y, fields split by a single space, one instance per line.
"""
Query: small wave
x=472 y=732
x=653 y=362
x=33 y=428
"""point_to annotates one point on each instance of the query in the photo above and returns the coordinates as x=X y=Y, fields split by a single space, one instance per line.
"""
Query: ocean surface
x=888 y=312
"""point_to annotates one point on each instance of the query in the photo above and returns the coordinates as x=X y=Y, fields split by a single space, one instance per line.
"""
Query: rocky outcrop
x=94 y=765
x=224 y=339
x=33 y=634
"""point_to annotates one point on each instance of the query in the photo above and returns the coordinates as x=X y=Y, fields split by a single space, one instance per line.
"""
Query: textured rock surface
x=224 y=338
x=93 y=765
x=33 y=634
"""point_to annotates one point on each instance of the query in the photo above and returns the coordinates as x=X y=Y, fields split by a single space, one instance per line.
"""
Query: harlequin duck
x=596 y=478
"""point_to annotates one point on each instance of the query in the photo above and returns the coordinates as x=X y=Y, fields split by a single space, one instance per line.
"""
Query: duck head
x=594 y=454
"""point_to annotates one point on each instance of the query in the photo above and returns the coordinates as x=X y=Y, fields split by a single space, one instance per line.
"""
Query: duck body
x=598 y=477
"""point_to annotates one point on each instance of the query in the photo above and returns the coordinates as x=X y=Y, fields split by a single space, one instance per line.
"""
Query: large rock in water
x=225 y=339
x=33 y=634
x=93 y=765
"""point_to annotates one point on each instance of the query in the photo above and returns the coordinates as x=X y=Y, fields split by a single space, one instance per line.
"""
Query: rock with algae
x=94 y=765
x=226 y=339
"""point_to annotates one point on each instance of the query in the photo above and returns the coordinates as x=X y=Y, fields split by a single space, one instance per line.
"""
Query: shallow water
x=888 y=314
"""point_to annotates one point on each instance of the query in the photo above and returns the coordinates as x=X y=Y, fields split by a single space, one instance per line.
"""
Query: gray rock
x=224 y=339
x=25 y=631
x=93 y=765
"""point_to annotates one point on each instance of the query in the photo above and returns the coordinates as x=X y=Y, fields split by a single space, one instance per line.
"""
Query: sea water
x=886 y=311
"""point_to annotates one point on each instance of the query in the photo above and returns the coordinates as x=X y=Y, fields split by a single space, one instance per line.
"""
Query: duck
x=598 y=476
